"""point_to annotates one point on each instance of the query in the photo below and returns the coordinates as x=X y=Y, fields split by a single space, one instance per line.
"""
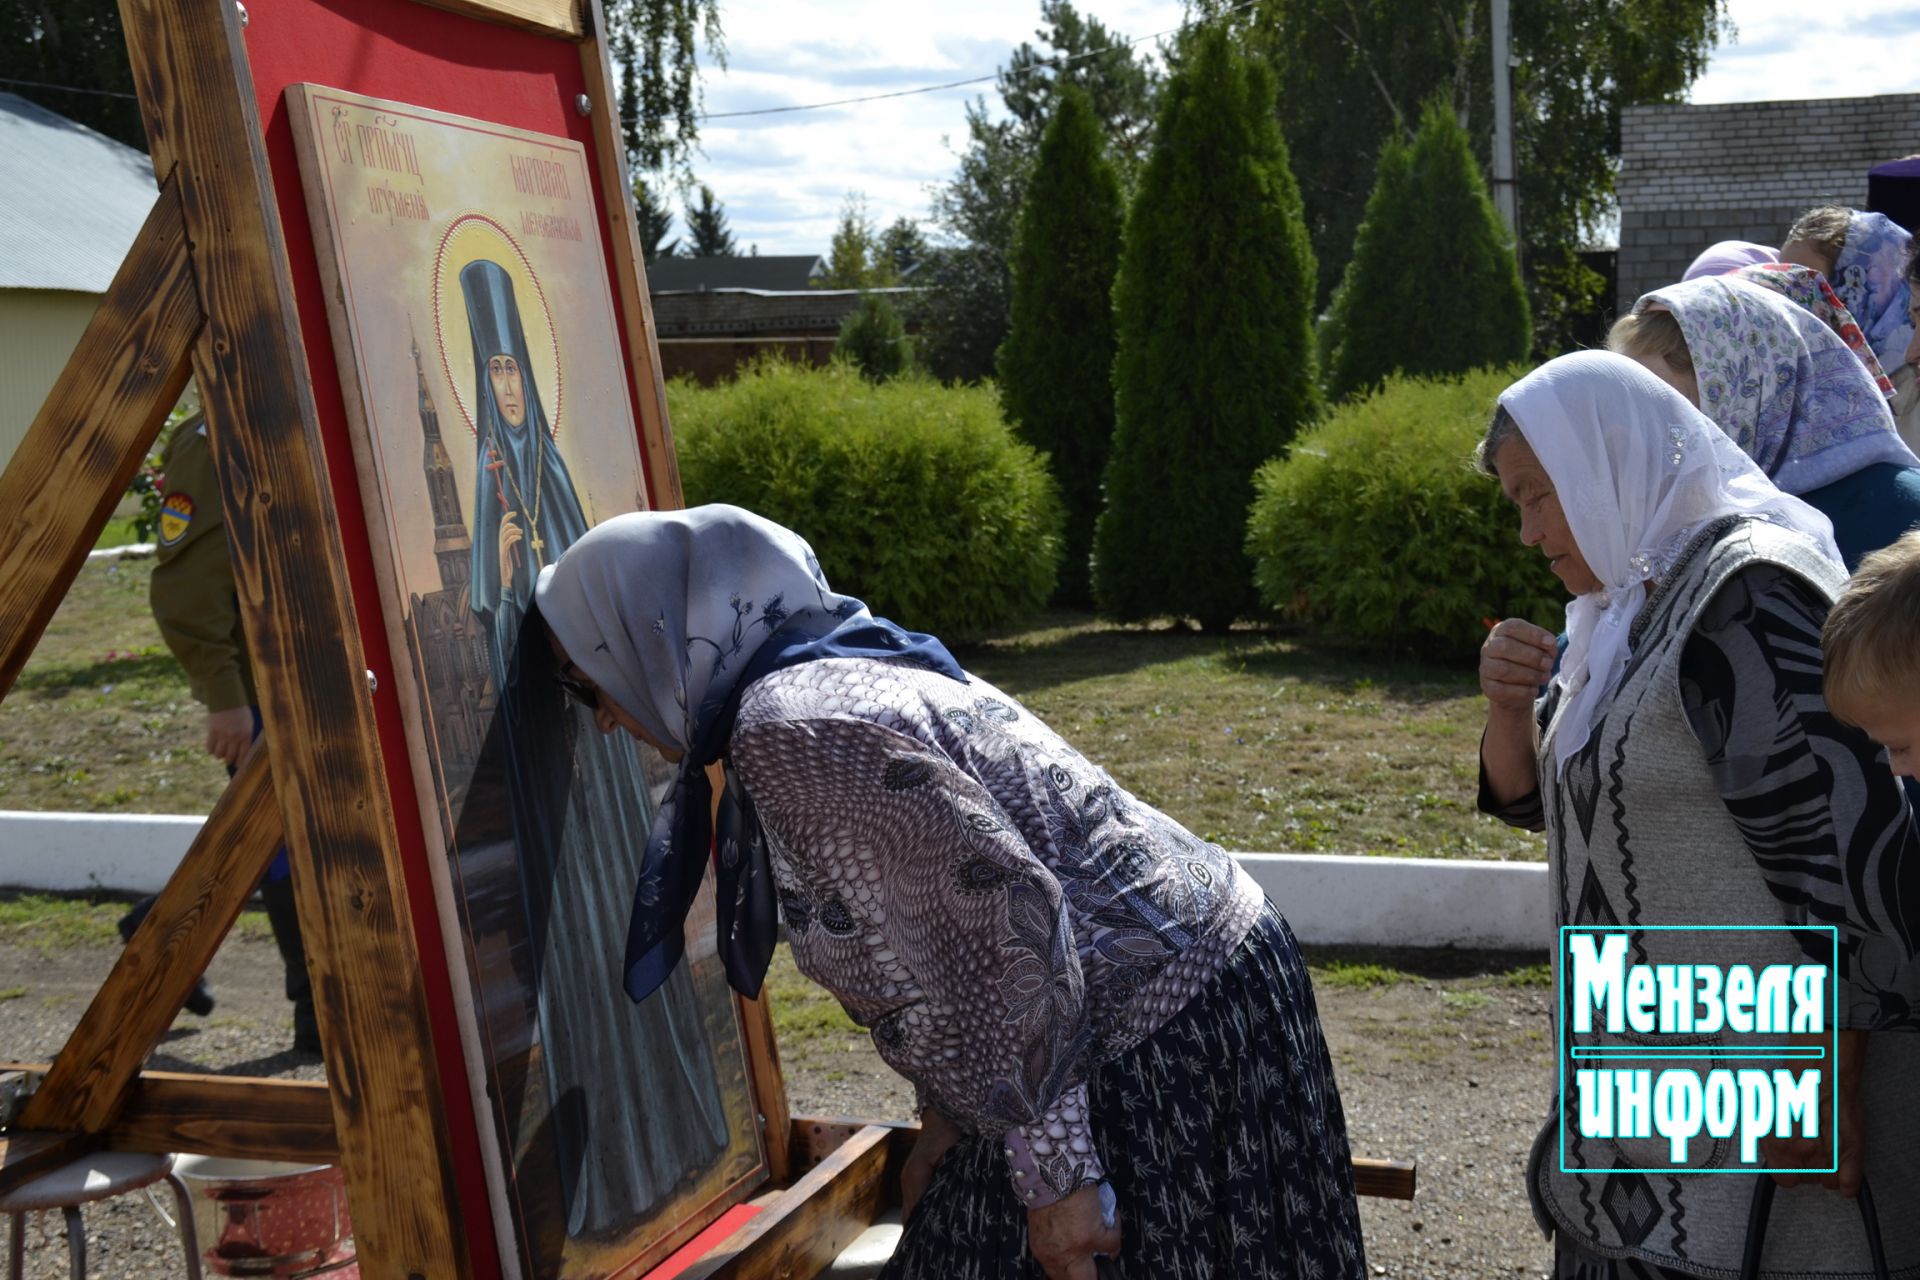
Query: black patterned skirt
x=1221 y=1134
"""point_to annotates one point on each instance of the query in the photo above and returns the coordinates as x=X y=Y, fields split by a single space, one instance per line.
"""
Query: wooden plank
x=152 y=977
x=241 y=1117
x=1385 y=1179
x=305 y=645
x=814 y=1138
x=563 y=18
x=769 y=1087
x=806 y=1227
x=630 y=280
x=234 y=1116
x=25 y=1156
x=94 y=430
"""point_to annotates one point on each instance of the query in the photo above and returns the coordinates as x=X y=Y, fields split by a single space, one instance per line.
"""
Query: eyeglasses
x=579 y=690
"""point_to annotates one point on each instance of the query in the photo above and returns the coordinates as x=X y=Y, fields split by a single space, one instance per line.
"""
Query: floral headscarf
x=1805 y=287
x=1780 y=384
x=1870 y=275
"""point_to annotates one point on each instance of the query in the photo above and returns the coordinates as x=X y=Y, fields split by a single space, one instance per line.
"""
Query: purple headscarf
x=1870 y=275
x=1730 y=255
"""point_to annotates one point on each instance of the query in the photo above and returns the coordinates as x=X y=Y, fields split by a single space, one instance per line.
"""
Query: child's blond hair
x=1872 y=637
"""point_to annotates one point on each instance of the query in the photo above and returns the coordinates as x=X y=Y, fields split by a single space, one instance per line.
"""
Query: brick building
x=1692 y=175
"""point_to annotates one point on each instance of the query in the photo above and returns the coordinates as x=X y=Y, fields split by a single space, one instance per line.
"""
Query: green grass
x=48 y=922
x=1258 y=739
x=55 y=922
x=1266 y=739
x=1358 y=976
x=101 y=718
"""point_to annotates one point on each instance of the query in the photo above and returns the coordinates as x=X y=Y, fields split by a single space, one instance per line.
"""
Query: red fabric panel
x=430 y=58
x=704 y=1243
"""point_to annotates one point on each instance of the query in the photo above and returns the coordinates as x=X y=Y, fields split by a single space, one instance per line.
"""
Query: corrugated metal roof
x=71 y=200
x=775 y=273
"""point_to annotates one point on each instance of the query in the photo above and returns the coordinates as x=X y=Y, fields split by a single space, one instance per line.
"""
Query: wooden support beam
x=630 y=276
x=25 y=1156
x=806 y=1227
x=234 y=1116
x=92 y=1076
x=1383 y=1179
x=240 y=1117
x=769 y=1088
x=94 y=430
x=561 y=18
x=395 y=1145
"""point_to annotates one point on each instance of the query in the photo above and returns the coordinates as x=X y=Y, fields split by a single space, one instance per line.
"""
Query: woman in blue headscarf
x=632 y=1095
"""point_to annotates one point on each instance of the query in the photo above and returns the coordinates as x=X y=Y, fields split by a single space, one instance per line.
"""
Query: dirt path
x=1446 y=1063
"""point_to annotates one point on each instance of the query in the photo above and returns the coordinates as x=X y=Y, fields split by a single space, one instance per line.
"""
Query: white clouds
x=1791 y=49
x=782 y=177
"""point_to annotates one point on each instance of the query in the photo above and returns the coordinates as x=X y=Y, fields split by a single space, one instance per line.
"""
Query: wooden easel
x=206 y=290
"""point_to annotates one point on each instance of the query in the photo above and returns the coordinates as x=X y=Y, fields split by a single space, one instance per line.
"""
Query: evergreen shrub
x=1433 y=286
x=1215 y=363
x=1056 y=366
x=1376 y=525
x=875 y=340
x=915 y=496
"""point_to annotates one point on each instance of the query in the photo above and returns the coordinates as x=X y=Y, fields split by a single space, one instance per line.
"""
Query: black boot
x=284 y=916
x=200 y=999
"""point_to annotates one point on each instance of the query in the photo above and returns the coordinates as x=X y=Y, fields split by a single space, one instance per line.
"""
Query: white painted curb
x=1329 y=899
x=1346 y=900
x=64 y=852
x=122 y=552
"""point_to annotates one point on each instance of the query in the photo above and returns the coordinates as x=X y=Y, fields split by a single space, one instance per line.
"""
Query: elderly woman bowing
x=1688 y=772
x=1110 y=1030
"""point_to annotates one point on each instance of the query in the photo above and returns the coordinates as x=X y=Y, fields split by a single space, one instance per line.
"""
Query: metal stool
x=99 y=1176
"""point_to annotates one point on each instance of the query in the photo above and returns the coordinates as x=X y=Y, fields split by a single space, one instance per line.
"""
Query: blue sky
x=783 y=177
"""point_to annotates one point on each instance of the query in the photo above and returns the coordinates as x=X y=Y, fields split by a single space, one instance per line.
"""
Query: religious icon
x=621 y=1128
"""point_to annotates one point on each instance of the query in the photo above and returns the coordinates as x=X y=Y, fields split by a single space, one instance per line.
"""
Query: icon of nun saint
x=633 y=1096
x=526 y=512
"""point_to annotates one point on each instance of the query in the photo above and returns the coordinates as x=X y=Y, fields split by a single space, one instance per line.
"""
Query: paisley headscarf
x=1780 y=384
x=673 y=614
x=1638 y=472
x=1870 y=275
x=1808 y=289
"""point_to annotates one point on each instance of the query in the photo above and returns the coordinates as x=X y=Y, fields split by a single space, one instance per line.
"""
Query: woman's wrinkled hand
x=1065 y=1236
x=1515 y=660
x=937 y=1136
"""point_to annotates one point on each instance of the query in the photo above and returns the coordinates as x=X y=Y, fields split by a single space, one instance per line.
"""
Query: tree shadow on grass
x=59 y=679
x=1059 y=647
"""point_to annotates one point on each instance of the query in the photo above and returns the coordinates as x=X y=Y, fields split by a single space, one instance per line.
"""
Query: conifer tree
x=707 y=233
x=1215 y=363
x=1433 y=286
x=1056 y=366
x=874 y=338
x=655 y=221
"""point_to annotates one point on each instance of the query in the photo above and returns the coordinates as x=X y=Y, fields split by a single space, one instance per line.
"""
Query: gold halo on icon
x=472 y=237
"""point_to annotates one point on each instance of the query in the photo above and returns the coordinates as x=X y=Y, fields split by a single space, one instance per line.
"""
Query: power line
x=67 y=88
x=1051 y=64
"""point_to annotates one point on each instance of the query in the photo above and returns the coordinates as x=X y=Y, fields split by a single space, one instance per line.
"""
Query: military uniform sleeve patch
x=176 y=516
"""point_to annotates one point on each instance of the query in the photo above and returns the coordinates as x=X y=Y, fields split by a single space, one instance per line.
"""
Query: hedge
x=1375 y=525
x=914 y=495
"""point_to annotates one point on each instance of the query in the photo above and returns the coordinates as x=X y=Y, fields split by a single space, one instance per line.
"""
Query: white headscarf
x=1638 y=471
x=664 y=609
